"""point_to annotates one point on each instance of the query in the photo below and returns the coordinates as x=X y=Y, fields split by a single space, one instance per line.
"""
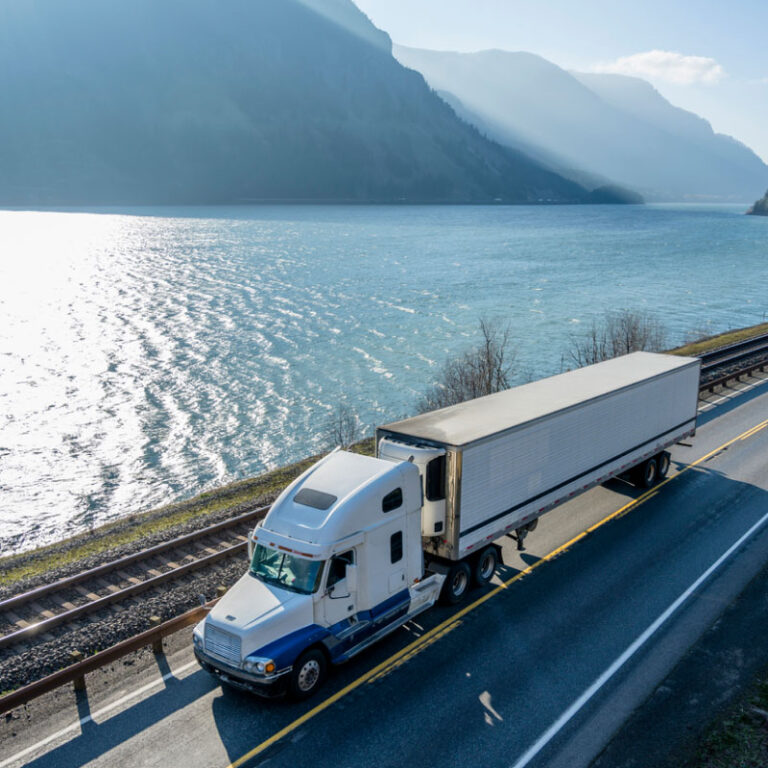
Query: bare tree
x=480 y=370
x=618 y=333
x=343 y=426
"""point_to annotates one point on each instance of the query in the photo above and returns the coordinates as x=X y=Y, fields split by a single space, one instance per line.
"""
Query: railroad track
x=33 y=614
x=733 y=355
x=30 y=616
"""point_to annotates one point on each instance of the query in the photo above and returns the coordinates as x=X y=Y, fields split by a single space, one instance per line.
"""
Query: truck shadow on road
x=99 y=738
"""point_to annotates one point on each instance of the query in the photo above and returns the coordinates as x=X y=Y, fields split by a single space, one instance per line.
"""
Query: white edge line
x=97 y=713
x=554 y=729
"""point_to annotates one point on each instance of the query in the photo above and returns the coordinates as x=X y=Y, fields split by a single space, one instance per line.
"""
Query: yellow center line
x=434 y=634
x=754 y=430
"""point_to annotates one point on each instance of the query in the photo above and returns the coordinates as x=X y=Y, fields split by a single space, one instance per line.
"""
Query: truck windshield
x=286 y=570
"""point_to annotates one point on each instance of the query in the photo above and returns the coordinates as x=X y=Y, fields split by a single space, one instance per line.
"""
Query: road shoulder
x=690 y=705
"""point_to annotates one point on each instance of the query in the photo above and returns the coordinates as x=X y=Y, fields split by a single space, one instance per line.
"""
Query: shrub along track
x=86 y=605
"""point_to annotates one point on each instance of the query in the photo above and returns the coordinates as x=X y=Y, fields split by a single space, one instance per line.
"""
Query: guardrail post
x=79 y=682
x=220 y=590
x=157 y=645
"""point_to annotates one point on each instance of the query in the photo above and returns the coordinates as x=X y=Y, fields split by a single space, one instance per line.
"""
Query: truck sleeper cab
x=335 y=565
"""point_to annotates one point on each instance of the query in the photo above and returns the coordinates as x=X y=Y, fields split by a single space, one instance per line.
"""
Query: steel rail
x=733 y=353
x=144 y=554
x=175 y=573
x=115 y=597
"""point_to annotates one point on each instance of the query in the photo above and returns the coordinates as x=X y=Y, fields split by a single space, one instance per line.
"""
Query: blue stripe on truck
x=285 y=650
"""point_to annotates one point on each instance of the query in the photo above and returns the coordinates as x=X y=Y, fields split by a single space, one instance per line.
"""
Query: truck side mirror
x=351 y=578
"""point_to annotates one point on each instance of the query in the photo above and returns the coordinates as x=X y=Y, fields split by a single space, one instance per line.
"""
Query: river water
x=147 y=354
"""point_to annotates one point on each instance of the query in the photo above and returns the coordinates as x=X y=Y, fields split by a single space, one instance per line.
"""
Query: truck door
x=340 y=595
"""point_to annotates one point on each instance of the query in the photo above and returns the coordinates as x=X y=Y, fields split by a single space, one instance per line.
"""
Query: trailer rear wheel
x=647 y=473
x=662 y=464
x=485 y=566
x=456 y=584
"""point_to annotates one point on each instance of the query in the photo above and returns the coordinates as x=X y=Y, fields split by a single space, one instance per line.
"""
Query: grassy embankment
x=261 y=489
x=740 y=738
x=720 y=340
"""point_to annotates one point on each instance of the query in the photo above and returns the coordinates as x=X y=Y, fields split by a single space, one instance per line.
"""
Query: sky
x=708 y=57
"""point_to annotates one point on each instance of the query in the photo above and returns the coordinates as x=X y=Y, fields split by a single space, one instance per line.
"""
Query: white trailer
x=496 y=464
x=357 y=545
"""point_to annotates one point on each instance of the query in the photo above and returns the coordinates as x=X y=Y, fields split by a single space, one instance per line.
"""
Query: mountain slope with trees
x=760 y=207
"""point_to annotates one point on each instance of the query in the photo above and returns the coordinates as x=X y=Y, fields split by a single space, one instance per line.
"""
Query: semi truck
x=359 y=545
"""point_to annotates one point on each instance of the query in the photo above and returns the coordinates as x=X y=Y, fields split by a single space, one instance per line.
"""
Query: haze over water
x=148 y=354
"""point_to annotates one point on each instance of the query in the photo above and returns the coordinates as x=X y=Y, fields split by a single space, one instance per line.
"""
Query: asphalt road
x=542 y=672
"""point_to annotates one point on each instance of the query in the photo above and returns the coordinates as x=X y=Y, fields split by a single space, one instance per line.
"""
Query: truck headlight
x=258 y=666
x=197 y=639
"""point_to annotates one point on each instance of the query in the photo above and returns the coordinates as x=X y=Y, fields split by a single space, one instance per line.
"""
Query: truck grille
x=222 y=643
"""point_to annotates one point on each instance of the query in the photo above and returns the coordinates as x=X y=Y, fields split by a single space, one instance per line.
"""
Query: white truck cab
x=336 y=564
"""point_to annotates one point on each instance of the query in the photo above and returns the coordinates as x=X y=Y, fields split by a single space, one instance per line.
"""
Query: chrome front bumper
x=269 y=686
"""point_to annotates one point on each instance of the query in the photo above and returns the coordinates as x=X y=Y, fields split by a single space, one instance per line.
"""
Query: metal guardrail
x=720 y=380
x=76 y=673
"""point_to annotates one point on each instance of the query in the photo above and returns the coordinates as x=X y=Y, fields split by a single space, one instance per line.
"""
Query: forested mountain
x=760 y=207
x=197 y=101
x=591 y=126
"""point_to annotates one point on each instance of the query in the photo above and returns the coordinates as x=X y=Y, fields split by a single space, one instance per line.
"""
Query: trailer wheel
x=485 y=566
x=456 y=584
x=662 y=464
x=307 y=674
x=647 y=473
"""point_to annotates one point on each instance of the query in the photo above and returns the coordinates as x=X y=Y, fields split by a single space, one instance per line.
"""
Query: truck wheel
x=456 y=584
x=647 y=473
x=485 y=566
x=662 y=464
x=307 y=674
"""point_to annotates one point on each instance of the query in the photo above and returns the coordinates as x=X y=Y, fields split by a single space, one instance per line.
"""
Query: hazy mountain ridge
x=593 y=125
x=198 y=102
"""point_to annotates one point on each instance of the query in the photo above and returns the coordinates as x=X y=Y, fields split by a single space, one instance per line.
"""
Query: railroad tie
x=14 y=618
x=85 y=593
x=126 y=577
x=62 y=603
x=42 y=611
x=108 y=585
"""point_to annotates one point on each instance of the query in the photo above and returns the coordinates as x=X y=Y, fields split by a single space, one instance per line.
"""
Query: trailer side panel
x=516 y=476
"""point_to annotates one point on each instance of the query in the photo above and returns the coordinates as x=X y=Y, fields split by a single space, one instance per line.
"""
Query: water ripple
x=147 y=355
